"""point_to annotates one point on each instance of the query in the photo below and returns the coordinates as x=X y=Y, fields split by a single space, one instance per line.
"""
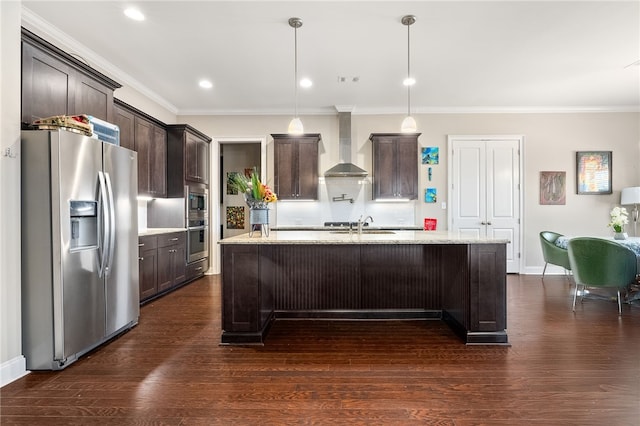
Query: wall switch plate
x=444 y=205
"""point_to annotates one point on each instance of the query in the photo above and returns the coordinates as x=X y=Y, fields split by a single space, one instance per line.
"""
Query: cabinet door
x=158 y=163
x=395 y=166
x=307 y=170
x=92 y=98
x=148 y=273
x=284 y=169
x=165 y=268
x=296 y=167
x=125 y=121
x=384 y=165
x=46 y=84
x=143 y=134
x=407 y=168
x=203 y=161
x=179 y=264
x=197 y=159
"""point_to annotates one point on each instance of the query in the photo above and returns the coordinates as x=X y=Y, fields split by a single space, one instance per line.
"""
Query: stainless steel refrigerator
x=79 y=245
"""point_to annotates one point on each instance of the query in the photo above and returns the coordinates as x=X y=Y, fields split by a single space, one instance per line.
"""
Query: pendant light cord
x=408 y=70
x=295 y=69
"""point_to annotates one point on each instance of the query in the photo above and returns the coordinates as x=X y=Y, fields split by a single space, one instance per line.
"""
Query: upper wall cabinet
x=56 y=83
x=188 y=153
x=295 y=165
x=395 y=165
x=148 y=137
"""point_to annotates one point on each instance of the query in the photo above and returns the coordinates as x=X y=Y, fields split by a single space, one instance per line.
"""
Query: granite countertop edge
x=329 y=238
x=158 y=231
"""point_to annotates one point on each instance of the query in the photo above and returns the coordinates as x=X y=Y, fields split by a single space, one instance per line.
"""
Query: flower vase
x=620 y=236
x=259 y=219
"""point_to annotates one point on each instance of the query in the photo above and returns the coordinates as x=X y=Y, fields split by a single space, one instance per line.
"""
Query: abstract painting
x=430 y=155
x=553 y=188
x=430 y=195
x=235 y=217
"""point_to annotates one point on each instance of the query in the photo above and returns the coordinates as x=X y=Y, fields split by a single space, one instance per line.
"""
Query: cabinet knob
x=141 y=258
x=199 y=268
x=141 y=245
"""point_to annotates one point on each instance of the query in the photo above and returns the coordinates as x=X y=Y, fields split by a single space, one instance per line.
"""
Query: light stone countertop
x=157 y=231
x=343 y=237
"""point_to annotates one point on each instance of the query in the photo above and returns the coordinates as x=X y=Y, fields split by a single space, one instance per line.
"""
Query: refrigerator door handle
x=104 y=209
x=111 y=228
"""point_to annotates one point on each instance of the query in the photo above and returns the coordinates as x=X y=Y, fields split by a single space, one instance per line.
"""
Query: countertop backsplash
x=315 y=213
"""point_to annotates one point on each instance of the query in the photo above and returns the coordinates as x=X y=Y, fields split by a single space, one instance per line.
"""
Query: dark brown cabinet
x=172 y=260
x=188 y=150
x=395 y=165
x=148 y=137
x=148 y=266
x=56 y=83
x=296 y=166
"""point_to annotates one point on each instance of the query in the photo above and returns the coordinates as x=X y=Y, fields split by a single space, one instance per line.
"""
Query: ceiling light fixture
x=409 y=124
x=295 y=126
x=205 y=84
x=134 y=14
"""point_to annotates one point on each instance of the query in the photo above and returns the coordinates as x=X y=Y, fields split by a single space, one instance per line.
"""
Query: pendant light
x=408 y=124
x=295 y=126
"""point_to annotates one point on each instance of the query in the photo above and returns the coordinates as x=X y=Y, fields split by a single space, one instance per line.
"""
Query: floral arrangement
x=618 y=218
x=256 y=193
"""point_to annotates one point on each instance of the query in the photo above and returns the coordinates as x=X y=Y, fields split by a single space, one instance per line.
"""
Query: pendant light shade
x=295 y=126
x=409 y=123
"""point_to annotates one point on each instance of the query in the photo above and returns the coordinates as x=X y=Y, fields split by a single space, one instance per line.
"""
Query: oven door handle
x=196 y=228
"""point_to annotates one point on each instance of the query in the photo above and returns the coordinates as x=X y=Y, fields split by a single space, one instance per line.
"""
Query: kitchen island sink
x=376 y=275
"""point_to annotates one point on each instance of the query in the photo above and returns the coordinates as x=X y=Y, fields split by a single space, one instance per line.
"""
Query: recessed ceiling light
x=305 y=82
x=205 y=84
x=134 y=14
x=409 y=81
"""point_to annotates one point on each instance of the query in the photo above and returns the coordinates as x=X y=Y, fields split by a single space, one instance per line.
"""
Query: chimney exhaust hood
x=345 y=168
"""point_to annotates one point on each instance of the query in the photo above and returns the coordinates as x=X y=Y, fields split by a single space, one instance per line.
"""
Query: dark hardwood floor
x=563 y=368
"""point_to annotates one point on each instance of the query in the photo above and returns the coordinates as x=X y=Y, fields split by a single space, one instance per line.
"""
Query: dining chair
x=552 y=253
x=596 y=262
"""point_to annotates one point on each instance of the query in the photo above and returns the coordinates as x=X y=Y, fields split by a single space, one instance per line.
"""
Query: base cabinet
x=163 y=265
x=172 y=266
x=148 y=270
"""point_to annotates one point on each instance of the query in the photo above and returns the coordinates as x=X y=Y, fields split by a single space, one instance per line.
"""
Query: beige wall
x=11 y=360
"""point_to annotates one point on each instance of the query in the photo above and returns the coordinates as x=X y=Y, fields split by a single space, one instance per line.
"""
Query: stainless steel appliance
x=79 y=245
x=196 y=202
x=197 y=239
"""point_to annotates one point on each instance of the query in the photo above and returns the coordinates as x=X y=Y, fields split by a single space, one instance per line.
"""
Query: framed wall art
x=593 y=172
x=553 y=188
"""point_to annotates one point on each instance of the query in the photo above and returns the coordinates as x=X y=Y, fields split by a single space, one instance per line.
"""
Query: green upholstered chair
x=596 y=262
x=552 y=253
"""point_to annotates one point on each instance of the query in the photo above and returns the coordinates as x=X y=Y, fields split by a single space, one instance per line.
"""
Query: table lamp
x=629 y=196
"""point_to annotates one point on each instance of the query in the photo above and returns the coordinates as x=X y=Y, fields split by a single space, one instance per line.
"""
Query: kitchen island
x=376 y=275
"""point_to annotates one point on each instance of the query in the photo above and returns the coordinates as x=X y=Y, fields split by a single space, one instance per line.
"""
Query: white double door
x=484 y=192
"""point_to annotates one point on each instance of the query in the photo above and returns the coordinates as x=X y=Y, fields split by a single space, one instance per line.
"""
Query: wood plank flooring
x=562 y=369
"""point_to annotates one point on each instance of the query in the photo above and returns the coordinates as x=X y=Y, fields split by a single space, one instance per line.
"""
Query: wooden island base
x=463 y=284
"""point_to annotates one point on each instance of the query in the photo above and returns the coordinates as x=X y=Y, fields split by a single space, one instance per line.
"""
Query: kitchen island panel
x=464 y=284
x=401 y=277
x=316 y=277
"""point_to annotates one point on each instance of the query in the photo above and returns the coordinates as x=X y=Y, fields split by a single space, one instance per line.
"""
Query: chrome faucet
x=362 y=222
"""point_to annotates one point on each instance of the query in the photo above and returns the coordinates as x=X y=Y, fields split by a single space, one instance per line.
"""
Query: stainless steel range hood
x=345 y=168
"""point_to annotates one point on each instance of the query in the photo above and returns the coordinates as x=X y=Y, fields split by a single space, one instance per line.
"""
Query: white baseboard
x=551 y=270
x=12 y=370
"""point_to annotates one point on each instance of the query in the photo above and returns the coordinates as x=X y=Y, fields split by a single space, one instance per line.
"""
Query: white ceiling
x=466 y=56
